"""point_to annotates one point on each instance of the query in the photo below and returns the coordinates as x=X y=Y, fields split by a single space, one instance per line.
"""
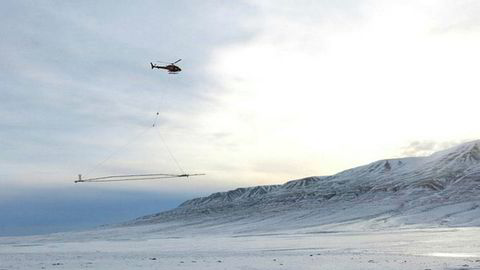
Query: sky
x=269 y=91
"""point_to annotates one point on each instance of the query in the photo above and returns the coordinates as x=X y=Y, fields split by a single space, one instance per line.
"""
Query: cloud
x=346 y=80
x=425 y=148
x=457 y=17
x=76 y=84
x=314 y=76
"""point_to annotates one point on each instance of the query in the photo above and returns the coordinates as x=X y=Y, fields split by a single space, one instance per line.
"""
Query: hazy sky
x=270 y=90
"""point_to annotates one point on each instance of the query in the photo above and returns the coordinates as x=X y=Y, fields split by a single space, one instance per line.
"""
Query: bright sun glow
x=348 y=92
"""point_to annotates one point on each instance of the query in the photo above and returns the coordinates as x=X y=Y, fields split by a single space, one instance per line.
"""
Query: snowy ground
x=134 y=248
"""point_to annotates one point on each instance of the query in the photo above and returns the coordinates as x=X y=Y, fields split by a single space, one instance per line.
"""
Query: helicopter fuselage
x=171 y=68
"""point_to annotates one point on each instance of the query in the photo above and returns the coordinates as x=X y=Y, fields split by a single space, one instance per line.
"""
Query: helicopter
x=171 y=67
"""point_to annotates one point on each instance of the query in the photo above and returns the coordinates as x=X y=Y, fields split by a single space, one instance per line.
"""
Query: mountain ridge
x=468 y=151
x=388 y=188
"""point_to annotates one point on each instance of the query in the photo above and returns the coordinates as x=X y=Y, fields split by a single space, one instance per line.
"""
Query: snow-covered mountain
x=440 y=189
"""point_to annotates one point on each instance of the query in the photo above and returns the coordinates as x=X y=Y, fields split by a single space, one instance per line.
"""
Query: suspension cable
x=170 y=152
x=136 y=177
x=115 y=152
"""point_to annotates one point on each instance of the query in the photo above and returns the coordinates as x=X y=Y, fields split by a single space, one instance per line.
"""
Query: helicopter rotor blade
x=177 y=61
